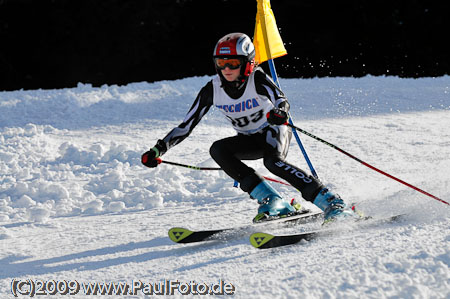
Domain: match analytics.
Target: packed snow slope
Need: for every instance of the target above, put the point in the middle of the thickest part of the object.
(77, 205)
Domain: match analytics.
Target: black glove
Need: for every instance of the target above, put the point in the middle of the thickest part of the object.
(277, 117)
(150, 158)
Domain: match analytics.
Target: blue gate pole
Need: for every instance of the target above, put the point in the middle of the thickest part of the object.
(273, 72)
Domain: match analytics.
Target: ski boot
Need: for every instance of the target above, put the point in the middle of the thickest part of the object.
(333, 206)
(271, 204)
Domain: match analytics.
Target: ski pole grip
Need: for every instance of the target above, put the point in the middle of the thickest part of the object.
(286, 123)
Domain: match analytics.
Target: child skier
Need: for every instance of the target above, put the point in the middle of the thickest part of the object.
(245, 94)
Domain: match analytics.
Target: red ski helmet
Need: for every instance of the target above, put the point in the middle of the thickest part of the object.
(235, 46)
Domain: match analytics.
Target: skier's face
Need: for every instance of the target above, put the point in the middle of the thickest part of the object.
(231, 75)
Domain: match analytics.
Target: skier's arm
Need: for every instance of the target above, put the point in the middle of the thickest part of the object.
(267, 88)
(200, 107)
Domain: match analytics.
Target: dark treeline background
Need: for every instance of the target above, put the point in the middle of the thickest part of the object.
(55, 44)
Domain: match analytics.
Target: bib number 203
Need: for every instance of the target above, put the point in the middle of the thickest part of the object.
(245, 120)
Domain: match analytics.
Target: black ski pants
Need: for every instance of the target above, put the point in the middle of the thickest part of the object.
(272, 146)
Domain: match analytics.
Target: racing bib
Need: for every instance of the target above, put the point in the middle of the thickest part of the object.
(247, 114)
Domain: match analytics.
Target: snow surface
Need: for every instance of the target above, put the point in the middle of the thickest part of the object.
(75, 203)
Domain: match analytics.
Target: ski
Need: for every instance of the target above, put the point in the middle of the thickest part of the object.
(262, 240)
(184, 235)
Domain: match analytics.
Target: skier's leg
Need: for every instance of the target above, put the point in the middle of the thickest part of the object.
(276, 145)
(311, 188)
(306, 184)
(229, 152)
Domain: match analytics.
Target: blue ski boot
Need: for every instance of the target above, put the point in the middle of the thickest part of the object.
(333, 206)
(270, 202)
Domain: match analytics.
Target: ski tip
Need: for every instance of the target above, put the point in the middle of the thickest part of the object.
(258, 240)
(178, 234)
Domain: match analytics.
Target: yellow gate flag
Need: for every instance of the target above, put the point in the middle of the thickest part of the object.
(267, 39)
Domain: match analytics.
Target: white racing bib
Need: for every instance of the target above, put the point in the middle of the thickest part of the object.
(247, 114)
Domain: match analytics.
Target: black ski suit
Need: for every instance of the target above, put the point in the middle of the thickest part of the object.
(270, 143)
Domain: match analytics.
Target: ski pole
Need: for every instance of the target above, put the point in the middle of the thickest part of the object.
(366, 164)
(186, 166)
(211, 168)
(273, 72)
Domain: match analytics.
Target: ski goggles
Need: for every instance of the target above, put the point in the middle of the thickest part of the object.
(232, 63)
